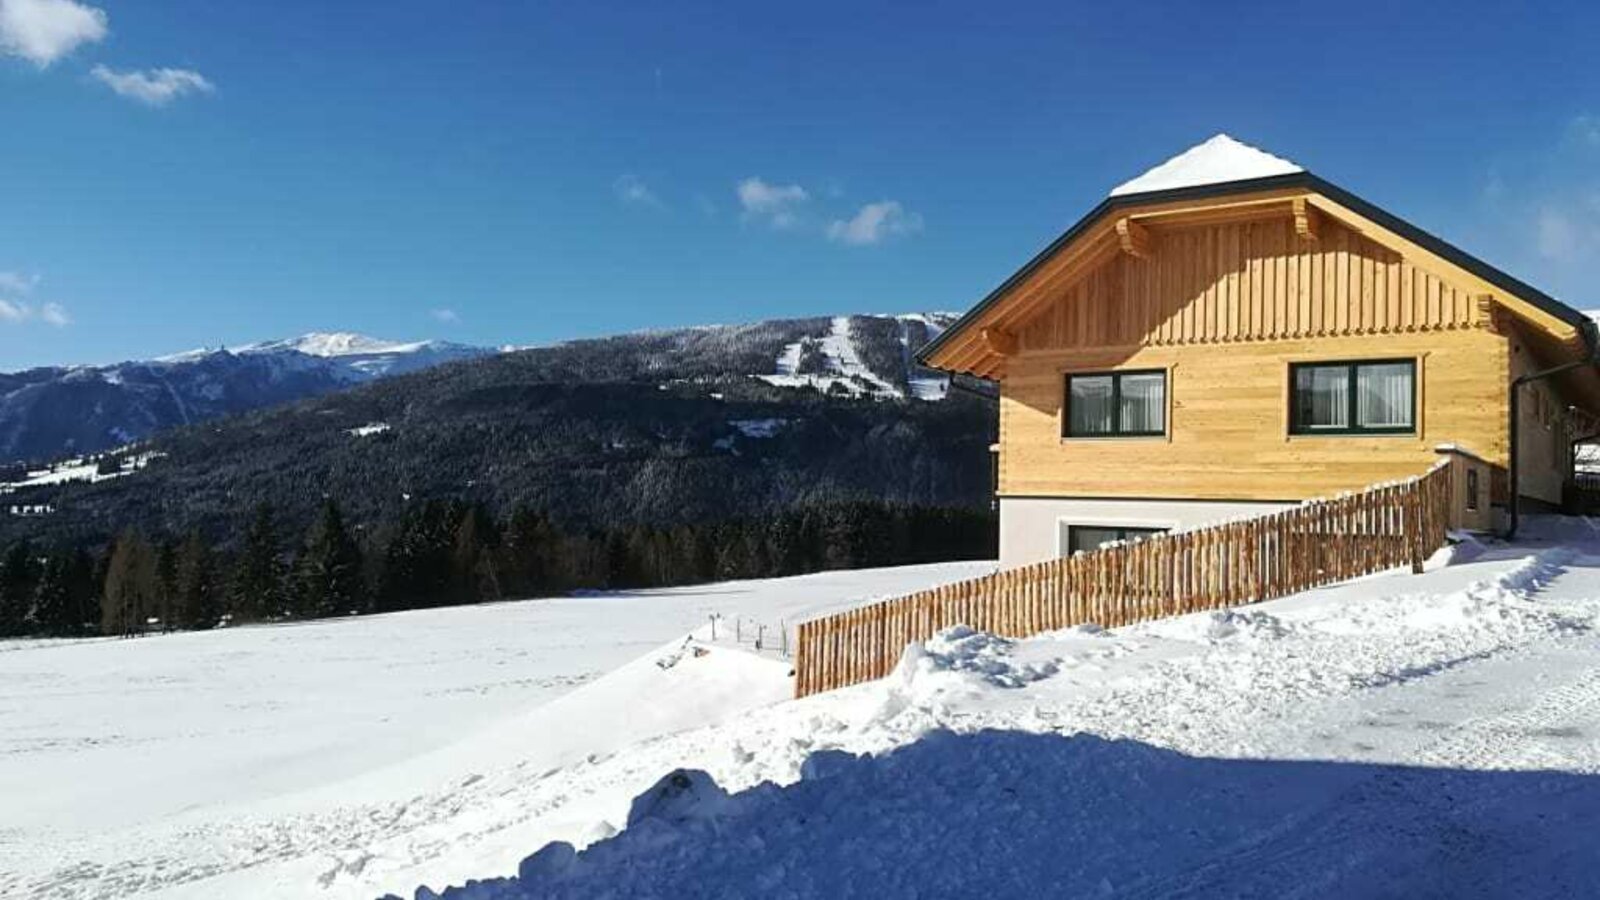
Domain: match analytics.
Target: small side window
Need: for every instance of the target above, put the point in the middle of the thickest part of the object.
(1472, 490)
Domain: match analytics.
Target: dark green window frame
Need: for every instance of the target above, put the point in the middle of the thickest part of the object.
(1116, 376)
(1297, 426)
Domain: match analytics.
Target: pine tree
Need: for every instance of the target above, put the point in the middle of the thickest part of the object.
(473, 570)
(19, 577)
(130, 586)
(527, 551)
(328, 579)
(166, 602)
(199, 600)
(257, 588)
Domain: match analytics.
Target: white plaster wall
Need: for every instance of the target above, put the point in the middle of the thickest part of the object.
(1029, 526)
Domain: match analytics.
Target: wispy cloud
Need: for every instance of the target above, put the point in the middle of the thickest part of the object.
(43, 31)
(444, 314)
(16, 312)
(873, 223)
(775, 204)
(1557, 236)
(1585, 128)
(17, 283)
(153, 87)
(54, 314)
(632, 191)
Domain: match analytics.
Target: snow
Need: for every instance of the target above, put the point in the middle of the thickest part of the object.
(370, 429)
(86, 469)
(846, 371)
(1397, 735)
(251, 762)
(1402, 735)
(1218, 160)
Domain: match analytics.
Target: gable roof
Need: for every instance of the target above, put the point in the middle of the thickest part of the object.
(1212, 169)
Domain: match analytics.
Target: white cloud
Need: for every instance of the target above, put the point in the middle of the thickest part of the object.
(774, 204)
(17, 283)
(634, 192)
(873, 223)
(154, 87)
(43, 31)
(445, 315)
(17, 312)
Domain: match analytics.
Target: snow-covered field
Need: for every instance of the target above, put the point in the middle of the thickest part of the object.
(1397, 736)
(1434, 735)
(202, 764)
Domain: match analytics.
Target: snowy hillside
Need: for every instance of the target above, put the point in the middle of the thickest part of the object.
(1399, 735)
(54, 412)
(266, 757)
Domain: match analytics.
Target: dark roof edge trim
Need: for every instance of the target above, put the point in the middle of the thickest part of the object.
(1424, 239)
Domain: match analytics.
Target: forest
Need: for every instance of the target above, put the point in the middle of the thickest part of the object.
(442, 553)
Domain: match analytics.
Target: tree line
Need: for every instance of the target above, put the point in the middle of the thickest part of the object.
(444, 552)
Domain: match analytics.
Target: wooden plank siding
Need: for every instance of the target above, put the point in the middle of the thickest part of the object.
(1228, 420)
(1225, 309)
(1248, 281)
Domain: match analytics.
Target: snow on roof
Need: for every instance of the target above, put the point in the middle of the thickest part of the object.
(1220, 159)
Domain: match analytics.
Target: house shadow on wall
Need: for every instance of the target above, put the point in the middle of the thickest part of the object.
(1012, 814)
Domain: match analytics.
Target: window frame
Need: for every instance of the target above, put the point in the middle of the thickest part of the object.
(1139, 531)
(1116, 376)
(1354, 429)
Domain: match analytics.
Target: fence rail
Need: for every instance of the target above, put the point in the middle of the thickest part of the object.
(1224, 565)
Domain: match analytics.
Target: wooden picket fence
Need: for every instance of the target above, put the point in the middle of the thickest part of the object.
(1303, 547)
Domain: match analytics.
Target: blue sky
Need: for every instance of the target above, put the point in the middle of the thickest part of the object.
(203, 172)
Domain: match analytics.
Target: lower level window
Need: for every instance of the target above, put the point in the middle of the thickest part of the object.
(1084, 538)
(1377, 397)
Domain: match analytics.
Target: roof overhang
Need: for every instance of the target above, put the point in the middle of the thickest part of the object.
(970, 344)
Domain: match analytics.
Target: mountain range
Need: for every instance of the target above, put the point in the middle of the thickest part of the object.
(684, 425)
(54, 411)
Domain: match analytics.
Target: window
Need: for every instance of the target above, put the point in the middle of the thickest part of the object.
(1117, 404)
(1085, 538)
(1353, 398)
(1472, 490)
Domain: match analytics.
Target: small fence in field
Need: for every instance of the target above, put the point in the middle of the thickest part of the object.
(1307, 546)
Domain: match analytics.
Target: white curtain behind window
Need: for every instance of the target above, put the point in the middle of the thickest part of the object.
(1090, 405)
(1324, 396)
(1144, 402)
(1383, 395)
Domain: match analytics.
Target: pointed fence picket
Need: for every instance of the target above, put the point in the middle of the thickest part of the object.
(1307, 546)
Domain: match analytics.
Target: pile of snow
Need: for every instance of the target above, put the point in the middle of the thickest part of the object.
(1218, 160)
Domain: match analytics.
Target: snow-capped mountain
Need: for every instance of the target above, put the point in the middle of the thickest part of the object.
(52, 411)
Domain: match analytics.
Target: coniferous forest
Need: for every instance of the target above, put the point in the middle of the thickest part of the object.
(442, 553)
